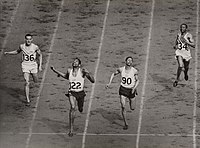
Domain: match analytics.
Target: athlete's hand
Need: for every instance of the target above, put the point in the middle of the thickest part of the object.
(107, 86)
(52, 68)
(175, 47)
(133, 90)
(5, 53)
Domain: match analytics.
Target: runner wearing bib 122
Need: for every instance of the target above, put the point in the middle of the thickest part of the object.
(76, 84)
(29, 63)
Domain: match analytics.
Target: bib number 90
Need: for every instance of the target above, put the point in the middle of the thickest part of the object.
(126, 80)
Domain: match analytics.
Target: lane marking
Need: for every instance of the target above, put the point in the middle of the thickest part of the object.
(145, 77)
(44, 76)
(95, 75)
(108, 134)
(9, 28)
(196, 79)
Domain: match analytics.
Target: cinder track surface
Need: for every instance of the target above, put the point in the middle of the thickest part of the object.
(101, 33)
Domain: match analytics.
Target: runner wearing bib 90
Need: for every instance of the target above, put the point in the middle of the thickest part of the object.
(76, 76)
(29, 65)
(183, 41)
(129, 83)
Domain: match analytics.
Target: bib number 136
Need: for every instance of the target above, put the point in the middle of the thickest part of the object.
(28, 57)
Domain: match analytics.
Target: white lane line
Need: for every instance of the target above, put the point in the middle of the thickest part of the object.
(196, 78)
(95, 75)
(107, 134)
(9, 28)
(43, 77)
(145, 76)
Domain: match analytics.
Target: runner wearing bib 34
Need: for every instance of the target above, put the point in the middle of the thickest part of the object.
(184, 40)
(129, 83)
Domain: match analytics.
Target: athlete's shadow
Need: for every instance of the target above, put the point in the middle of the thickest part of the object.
(16, 93)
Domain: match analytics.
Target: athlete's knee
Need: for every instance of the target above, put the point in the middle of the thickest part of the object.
(181, 68)
(27, 83)
(72, 109)
(123, 108)
(35, 78)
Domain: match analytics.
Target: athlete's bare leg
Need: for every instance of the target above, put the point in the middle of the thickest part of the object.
(27, 83)
(179, 70)
(123, 103)
(72, 101)
(132, 103)
(186, 66)
(35, 77)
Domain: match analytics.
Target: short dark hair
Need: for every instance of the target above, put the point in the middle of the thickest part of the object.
(79, 61)
(128, 58)
(28, 34)
(184, 24)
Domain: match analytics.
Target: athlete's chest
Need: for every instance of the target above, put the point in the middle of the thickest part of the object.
(29, 49)
(75, 75)
(128, 73)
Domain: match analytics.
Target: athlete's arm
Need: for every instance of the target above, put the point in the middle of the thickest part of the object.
(118, 71)
(190, 41)
(14, 52)
(66, 76)
(40, 58)
(88, 75)
(136, 81)
(176, 43)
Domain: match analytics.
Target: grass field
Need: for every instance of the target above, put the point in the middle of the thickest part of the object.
(101, 33)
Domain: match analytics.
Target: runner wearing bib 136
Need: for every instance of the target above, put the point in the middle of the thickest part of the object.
(29, 64)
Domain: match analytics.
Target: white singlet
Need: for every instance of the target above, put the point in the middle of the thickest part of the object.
(29, 54)
(128, 77)
(183, 49)
(76, 83)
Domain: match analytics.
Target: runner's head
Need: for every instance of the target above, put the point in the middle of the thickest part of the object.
(76, 62)
(28, 39)
(129, 61)
(183, 28)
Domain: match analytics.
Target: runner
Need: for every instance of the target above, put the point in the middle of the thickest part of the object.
(183, 41)
(127, 90)
(29, 65)
(76, 76)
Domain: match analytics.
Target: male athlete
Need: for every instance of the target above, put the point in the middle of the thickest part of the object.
(183, 41)
(29, 65)
(129, 83)
(76, 76)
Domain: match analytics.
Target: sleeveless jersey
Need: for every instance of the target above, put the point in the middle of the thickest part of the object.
(29, 53)
(181, 45)
(76, 83)
(128, 79)
(183, 49)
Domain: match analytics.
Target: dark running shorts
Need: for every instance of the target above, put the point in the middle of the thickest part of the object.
(127, 92)
(79, 98)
